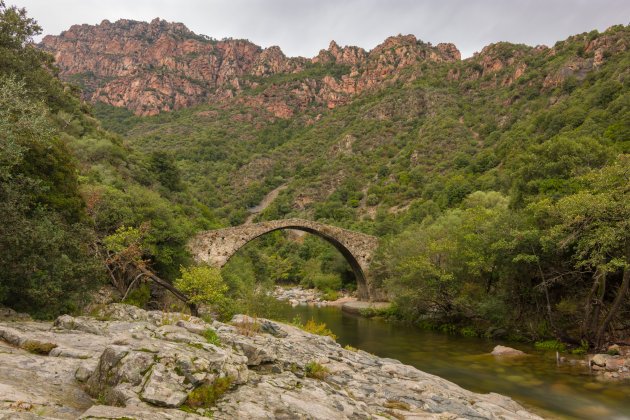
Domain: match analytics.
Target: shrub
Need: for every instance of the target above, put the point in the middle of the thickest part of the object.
(468, 332)
(331, 295)
(139, 297)
(202, 284)
(316, 328)
(554, 345)
(248, 328)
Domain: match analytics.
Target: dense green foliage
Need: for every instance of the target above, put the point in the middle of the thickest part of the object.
(75, 199)
(45, 261)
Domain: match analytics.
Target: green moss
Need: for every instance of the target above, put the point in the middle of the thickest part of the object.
(38, 347)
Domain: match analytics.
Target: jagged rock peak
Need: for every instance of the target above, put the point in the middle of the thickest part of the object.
(150, 67)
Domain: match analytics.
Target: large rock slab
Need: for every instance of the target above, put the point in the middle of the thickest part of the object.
(144, 364)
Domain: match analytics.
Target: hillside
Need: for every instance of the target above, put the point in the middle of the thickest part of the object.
(413, 128)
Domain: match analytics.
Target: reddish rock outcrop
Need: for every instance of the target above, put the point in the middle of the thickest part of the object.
(162, 66)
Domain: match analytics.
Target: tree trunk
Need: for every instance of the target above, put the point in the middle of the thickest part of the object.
(621, 294)
(594, 305)
(168, 286)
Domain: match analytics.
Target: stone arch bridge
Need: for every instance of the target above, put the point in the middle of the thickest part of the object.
(216, 247)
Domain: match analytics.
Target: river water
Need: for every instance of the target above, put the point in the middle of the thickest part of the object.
(562, 392)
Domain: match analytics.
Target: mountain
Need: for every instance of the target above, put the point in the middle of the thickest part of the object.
(162, 66)
(355, 134)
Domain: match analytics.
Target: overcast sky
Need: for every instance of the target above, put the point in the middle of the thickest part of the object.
(303, 27)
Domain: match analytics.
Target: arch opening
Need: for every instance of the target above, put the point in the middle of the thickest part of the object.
(357, 270)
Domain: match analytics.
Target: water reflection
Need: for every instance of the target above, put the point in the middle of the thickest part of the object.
(566, 392)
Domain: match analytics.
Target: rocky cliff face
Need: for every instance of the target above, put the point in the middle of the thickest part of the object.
(161, 66)
(148, 365)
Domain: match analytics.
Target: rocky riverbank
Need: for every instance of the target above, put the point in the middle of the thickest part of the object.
(131, 363)
(299, 296)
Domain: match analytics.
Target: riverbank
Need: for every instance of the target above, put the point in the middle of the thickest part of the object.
(564, 390)
(300, 296)
(131, 363)
(612, 366)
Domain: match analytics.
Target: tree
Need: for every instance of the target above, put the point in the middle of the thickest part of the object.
(163, 165)
(46, 263)
(202, 284)
(595, 224)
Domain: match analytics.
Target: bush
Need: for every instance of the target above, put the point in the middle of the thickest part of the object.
(202, 284)
(139, 297)
(211, 337)
(315, 328)
(330, 295)
(248, 328)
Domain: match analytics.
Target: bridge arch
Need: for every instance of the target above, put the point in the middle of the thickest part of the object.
(216, 247)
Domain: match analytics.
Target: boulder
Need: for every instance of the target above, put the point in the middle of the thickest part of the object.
(600, 359)
(255, 354)
(8, 314)
(506, 351)
(164, 388)
(67, 322)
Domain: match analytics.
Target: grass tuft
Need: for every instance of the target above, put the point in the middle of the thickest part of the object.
(316, 371)
(206, 395)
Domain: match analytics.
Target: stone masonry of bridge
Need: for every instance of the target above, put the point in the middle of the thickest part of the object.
(216, 247)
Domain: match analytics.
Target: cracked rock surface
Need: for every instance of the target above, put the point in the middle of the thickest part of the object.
(131, 363)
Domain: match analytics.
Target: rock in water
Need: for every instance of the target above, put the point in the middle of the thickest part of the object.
(507, 351)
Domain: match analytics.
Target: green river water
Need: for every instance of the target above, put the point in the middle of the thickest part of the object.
(564, 392)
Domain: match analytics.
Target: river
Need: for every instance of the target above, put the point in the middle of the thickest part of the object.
(562, 392)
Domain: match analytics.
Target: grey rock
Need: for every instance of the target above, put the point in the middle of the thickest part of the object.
(601, 359)
(149, 361)
(67, 322)
(164, 388)
(255, 354)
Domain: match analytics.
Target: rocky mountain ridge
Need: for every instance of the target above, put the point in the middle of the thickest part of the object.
(162, 66)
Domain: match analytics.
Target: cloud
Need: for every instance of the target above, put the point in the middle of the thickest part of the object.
(303, 27)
